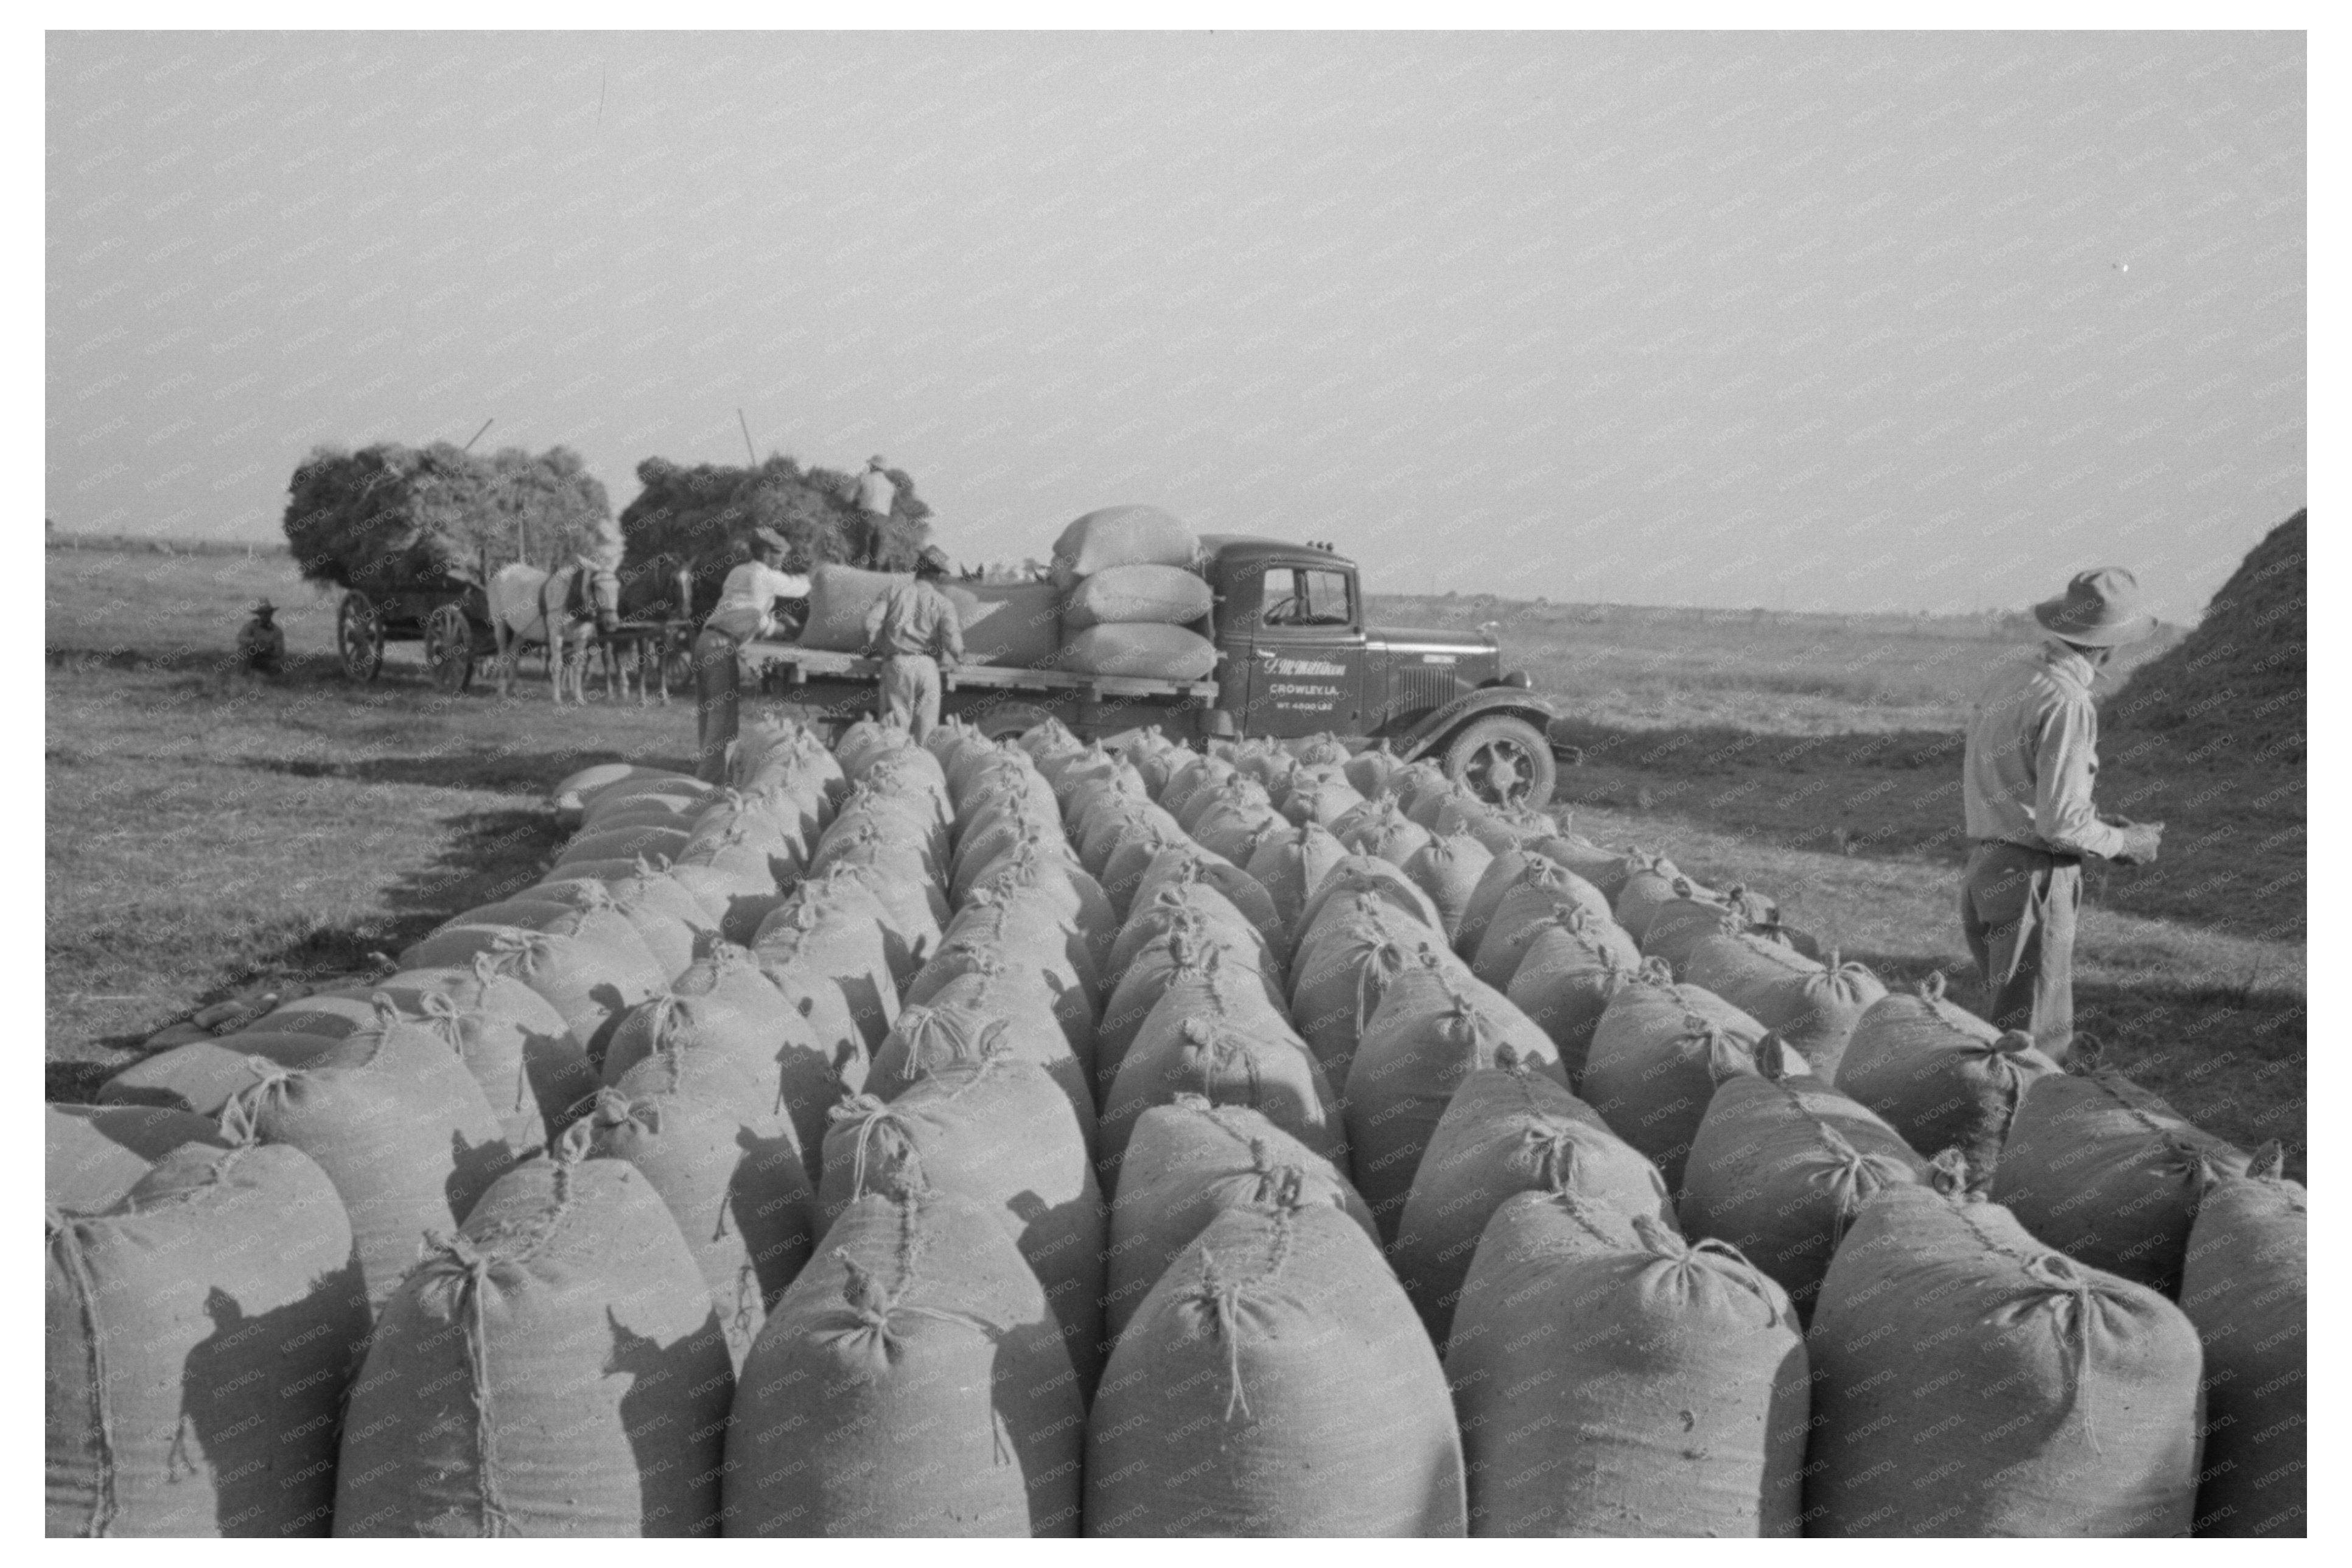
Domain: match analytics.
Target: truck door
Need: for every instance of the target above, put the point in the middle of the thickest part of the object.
(1306, 654)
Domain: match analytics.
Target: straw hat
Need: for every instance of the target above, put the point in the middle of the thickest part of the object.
(2100, 608)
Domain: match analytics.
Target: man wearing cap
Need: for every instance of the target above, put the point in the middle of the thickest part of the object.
(2031, 758)
(875, 495)
(746, 611)
(260, 644)
(913, 629)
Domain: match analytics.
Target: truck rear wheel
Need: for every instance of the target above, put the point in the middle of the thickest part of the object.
(1504, 762)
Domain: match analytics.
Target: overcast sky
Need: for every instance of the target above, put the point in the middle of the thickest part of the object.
(1818, 320)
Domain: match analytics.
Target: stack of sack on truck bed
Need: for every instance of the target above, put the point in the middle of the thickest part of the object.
(1014, 623)
(1133, 603)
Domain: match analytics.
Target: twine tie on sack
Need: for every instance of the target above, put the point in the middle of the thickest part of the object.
(1667, 1246)
(2071, 1299)
(1223, 1302)
(1549, 1150)
(871, 1308)
(472, 1266)
(871, 1116)
(240, 1119)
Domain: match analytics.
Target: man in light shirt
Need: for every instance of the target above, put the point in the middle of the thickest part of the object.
(2032, 757)
(913, 628)
(875, 495)
(746, 611)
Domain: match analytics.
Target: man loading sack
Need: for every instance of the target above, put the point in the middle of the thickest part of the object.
(2033, 754)
(746, 611)
(913, 629)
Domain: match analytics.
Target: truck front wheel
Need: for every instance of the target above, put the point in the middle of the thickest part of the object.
(1504, 762)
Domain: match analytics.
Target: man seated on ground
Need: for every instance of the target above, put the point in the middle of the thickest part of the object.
(261, 644)
(746, 611)
(913, 628)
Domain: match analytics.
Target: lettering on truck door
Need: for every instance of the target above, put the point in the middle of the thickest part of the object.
(1306, 654)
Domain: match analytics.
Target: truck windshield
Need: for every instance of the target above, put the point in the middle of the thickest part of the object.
(1302, 596)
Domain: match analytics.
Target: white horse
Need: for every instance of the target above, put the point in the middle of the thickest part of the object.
(562, 612)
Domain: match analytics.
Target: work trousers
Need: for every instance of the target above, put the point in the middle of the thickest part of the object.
(2018, 909)
(910, 693)
(718, 680)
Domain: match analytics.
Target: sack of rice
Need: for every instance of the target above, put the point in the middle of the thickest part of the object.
(1188, 1163)
(1291, 866)
(1652, 883)
(980, 970)
(1780, 1167)
(1359, 951)
(1813, 1007)
(1970, 1381)
(555, 1368)
(1010, 624)
(1941, 1075)
(93, 1154)
(201, 1335)
(704, 1128)
(2110, 1174)
(1197, 771)
(1193, 960)
(203, 1075)
(1028, 927)
(724, 1007)
(1436, 1025)
(1175, 596)
(1038, 875)
(1572, 970)
(1364, 873)
(911, 1383)
(1664, 1394)
(736, 900)
(1139, 649)
(825, 942)
(1236, 831)
(1321, 800)
(1115, 536)
(2244, 1286)
(590, 967)
(1607, 869)
(980, 1009)
(1385, 833)
(999, 1131)
(1657, 1055)
(1449, 870)
(1204, 1054)
(1508, 1130)
(1186, 863)
(1275, 1382)
(623, 843)
(515, 1043)
(839, 597)
(398, 1124)
(1544, 892)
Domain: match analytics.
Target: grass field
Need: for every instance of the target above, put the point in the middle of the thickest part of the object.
(207, 830)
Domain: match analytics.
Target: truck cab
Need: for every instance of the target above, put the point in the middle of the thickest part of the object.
(1296, 658)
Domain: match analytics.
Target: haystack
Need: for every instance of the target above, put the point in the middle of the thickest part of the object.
(2232, 692)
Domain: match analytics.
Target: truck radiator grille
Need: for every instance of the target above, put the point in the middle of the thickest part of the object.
(1418, 688)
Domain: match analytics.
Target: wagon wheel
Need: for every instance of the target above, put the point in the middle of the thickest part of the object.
(449, 648)
(358, 632)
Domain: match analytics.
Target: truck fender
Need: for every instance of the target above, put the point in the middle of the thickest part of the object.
(1425, 736)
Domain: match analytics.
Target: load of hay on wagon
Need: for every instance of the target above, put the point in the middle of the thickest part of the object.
(388, 517)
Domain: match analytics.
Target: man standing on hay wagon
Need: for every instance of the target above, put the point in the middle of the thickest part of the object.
(913, 629)
(746, 611)
(874, 495)
(2032, 755)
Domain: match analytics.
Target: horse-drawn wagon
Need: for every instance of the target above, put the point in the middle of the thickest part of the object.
(449, 616)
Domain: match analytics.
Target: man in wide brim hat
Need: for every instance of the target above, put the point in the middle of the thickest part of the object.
(261, 643)
(2026, 781)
